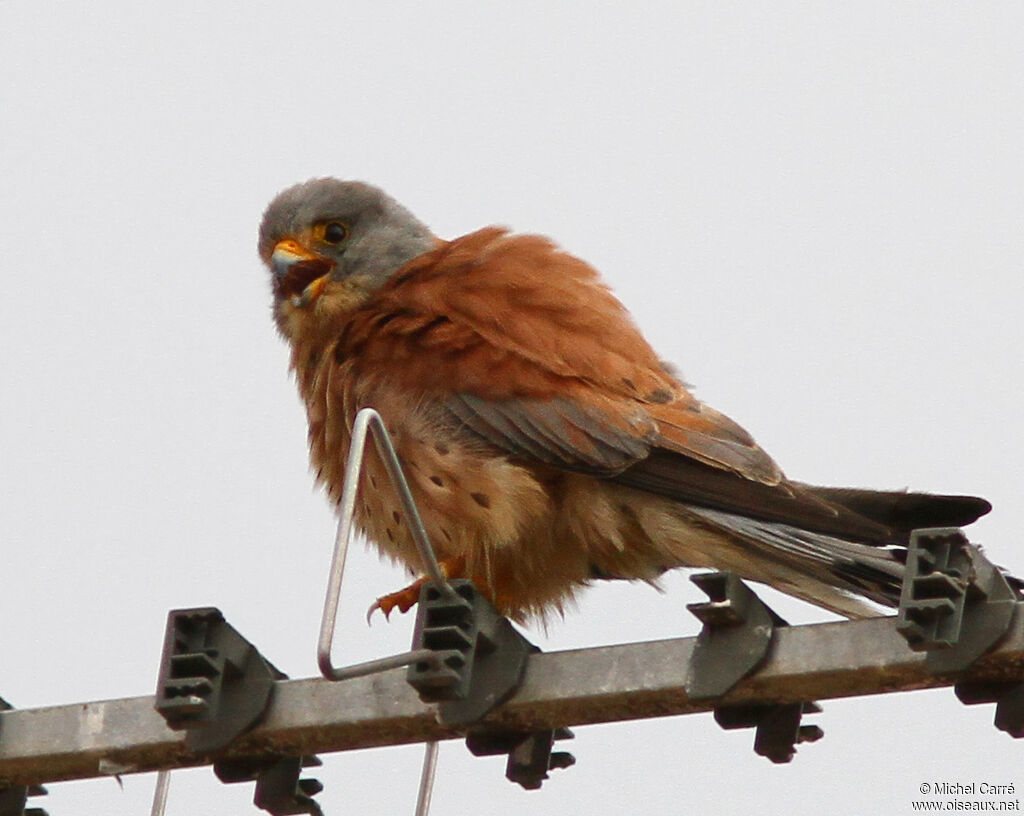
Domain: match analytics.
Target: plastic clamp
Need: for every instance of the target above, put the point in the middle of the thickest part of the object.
(1009, 700)
(213, 683)
(955, 604)
(735, 638)
(14, 799)
(529, 753)
(778, 727)
(279, 790)
(481, 657)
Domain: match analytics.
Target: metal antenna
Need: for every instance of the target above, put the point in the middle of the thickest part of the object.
(427, 779)
(163, 783)
(368, 419)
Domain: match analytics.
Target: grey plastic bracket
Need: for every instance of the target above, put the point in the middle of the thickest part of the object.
(778, 727)
(530, 754)
(1009, 700)
(480, 661)
(213, 683)
(480, 656)
(955, 604)
(735, 638)
(733, 642)
(14, 799)
(279, 790)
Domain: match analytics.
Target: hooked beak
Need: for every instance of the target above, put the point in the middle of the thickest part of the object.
(299, 274)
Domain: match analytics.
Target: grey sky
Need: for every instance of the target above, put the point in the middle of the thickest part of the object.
(813, 208)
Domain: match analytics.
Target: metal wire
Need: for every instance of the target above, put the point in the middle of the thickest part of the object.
(427, 779)
(163, 783)
(368, 420)
(423, 796)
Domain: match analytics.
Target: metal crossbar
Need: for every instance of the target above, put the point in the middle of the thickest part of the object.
(603, 684)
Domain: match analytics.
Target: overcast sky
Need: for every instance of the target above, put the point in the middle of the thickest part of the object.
(815, 209)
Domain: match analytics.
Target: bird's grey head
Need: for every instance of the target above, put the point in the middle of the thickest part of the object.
(326, 229)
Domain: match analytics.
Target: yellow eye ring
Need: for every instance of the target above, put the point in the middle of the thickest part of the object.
(330, 232)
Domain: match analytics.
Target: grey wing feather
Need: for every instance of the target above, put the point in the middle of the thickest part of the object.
(557, 432)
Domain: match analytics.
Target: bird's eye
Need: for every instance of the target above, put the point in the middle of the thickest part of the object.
(333, 232)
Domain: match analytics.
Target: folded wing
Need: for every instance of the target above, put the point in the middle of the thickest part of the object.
(524, 347)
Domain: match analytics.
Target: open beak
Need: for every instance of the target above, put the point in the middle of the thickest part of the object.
(299, 274)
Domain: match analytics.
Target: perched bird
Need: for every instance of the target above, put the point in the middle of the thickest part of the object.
(544, 441)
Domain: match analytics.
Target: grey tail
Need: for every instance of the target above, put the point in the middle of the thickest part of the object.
(850, 578)
(902, 512)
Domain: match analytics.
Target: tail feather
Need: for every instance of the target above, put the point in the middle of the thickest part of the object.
(903, 512)
(847, 577)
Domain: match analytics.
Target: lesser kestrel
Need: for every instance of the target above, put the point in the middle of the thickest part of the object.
(545, 443)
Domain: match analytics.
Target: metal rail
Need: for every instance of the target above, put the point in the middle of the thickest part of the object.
(605, 684)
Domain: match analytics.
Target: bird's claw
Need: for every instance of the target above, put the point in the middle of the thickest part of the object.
(406, 599)
(403, 601)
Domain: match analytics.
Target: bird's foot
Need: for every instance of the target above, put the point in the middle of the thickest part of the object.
(405, 599)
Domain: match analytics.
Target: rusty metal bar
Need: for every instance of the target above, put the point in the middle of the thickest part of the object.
(604, 684)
